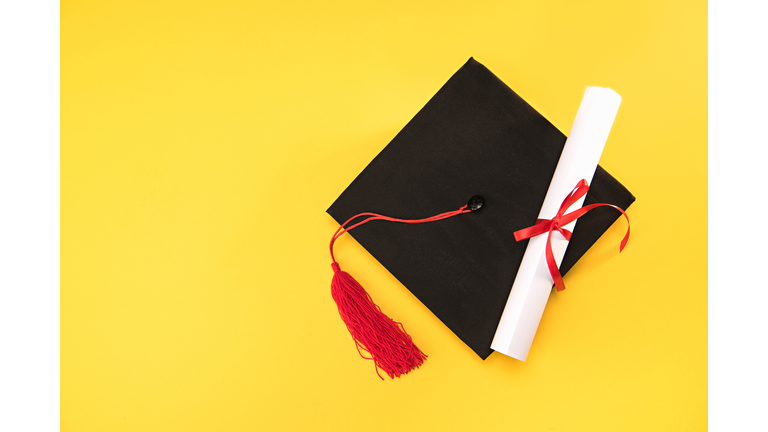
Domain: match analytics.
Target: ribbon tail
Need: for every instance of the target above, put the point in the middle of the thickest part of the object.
(570, 217)
(626, 236)
(552, 265)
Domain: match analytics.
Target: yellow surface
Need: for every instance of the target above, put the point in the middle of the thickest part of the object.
(203, 141)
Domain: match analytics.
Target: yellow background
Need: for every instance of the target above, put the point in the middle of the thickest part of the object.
(203, 141)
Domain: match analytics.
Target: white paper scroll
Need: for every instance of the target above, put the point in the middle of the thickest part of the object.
(533, 283)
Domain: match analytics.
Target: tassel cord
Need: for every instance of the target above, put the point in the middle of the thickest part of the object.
(375, 216)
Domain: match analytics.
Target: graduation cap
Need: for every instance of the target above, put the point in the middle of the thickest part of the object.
(478, 159)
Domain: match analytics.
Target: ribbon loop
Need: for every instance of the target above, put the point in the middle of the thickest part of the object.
(561, 219)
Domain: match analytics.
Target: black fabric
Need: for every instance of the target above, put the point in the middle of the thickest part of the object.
(474, 137)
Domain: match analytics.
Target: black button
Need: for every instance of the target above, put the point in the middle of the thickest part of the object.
(476, 203)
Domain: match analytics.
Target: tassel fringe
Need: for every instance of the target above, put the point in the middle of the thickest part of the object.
(389, 346)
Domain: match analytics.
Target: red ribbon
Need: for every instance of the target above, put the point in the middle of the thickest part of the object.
(556, 224)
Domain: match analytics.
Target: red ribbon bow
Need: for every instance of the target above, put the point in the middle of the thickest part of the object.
(556, 224)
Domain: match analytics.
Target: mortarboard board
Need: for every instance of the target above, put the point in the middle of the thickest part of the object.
(474, 137)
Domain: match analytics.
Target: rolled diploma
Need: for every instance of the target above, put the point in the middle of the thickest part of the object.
(533, 283)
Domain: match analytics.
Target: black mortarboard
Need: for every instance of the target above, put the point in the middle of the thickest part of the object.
(474, 137)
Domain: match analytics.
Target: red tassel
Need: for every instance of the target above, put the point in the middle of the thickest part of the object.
(390, 347)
